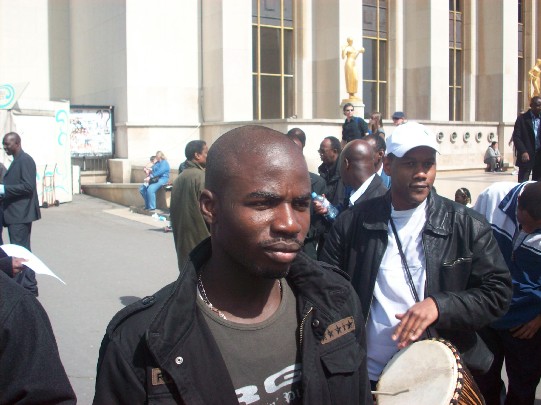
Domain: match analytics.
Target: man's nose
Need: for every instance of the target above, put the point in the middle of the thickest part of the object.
(287, 220)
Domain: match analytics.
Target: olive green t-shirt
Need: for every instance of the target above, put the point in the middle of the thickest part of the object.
(262, 359)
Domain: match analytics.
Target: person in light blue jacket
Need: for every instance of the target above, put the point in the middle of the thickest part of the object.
(156, 179)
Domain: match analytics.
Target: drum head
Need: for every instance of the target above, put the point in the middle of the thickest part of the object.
(428, 369)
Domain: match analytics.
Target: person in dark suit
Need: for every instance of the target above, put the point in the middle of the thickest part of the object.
(379, 146)
(318, 186)
(20, 202)
(357, 171)
(527, 140)
(3, 171)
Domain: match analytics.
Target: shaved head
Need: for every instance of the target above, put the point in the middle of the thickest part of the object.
(256, 201)
(244, 147)
(357, 163)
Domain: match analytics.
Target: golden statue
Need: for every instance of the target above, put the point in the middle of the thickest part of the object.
(535, 80)
(350, 54)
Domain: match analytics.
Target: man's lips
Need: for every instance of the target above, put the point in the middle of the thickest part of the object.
(282, 251)
(285, 247)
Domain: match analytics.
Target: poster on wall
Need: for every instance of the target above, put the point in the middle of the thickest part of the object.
(44, 128)
(91, 131)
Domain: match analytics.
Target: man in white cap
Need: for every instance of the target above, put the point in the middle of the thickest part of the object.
(422, 265)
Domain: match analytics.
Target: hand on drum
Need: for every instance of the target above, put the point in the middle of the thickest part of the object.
(414, 322)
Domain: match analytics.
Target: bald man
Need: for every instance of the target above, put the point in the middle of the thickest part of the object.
(357, 171)
(251, 319)
(380, 146)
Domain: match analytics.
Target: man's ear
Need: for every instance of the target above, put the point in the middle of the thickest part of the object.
(208, 206)
(387, 161)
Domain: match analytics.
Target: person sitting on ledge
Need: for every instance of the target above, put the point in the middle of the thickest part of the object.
(155, 179)
(493, 158)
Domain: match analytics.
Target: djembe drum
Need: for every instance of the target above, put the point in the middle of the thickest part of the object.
(428, 372)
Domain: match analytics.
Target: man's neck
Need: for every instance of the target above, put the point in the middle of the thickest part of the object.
(240, 295)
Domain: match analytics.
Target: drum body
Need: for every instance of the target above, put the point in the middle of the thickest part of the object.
(432, 372)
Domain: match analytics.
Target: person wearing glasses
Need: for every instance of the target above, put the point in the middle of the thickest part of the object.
(353, 127)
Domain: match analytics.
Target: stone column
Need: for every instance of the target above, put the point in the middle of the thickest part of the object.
(304, 57)
(498, 54)
(426, 60)
(396, 56)
(226, 61)
(334, 21)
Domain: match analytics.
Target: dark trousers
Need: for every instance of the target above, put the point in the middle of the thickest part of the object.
(19, 234)
(534, 168)
(522, 363)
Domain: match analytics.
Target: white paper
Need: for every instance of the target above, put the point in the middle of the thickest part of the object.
(33, 262)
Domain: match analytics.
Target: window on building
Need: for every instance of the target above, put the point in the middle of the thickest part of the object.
(375, 56)
(273, 56)
(455, 60)
(521, 72)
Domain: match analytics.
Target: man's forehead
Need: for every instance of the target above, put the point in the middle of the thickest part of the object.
(272, 184)
(420, 152)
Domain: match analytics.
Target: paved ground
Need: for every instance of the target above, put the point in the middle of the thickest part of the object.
(109, 257)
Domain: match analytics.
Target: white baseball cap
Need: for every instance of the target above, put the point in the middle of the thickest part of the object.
(408, 136)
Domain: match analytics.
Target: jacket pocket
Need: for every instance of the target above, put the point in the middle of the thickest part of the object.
(341, 368)
(459, 262)
(343, 359)
(455, 274)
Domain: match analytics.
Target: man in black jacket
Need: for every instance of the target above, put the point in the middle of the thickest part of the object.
(353, 127)
(251, 319)
(527, 140)
(20, 202)
(318, 225)
(329, 152)
(30, 368)
(420, 263)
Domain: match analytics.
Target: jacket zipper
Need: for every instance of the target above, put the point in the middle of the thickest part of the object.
(369, 309)
(301, 328)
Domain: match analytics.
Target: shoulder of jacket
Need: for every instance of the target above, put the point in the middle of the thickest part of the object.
(458, 211)
(367, 206)
(140, 312)
(327, 266)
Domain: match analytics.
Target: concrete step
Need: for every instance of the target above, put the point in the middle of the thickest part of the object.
(126, 194)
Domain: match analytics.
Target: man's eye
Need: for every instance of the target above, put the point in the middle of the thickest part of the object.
(261, 204)
(302, 205)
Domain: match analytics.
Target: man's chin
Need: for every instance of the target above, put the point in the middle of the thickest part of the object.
(273, 274)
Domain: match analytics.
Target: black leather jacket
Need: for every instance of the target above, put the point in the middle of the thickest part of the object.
(466, 274)
(161, 351)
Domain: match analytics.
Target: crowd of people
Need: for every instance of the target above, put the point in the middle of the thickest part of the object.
(279, 302)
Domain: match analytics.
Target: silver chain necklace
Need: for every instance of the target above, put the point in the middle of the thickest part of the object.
(203, 295)
(205, 298)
